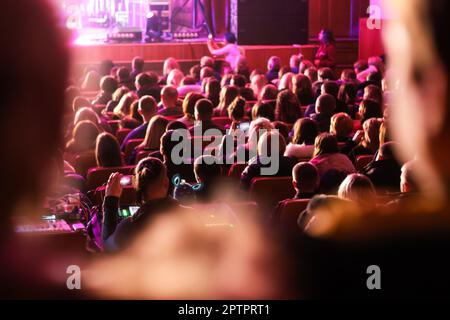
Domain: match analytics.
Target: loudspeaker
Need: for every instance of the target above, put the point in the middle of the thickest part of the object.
(270, 22)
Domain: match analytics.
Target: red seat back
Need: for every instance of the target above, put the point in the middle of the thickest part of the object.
(142, 155)
(121, 134)
(288, 213)
(222, 121)
(362, 161)
(268, 192)
(131, 145)
(236, 170)
(96, 177)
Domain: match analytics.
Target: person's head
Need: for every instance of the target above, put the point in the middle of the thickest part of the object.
(282, 128)
(80, 102)
(274, 64)
(269, 93)
(107, 151)
(86, 114)
(326, 37)
(206, 170)
(286, 82)
(189, 104)
(301, 85)
(203, 110)
(123, 75)
(238, 81)
(370, 109)
(123, 108)
(119, 93)
(257, 128)
(230, 38)
(288, 107)
(330, 87)
(372, 134)
(169, 96)
(374, 93)
(169, 65)
(387, 151)
(155, 130)
(271, 144)
(305, 177)
(258, 82)
(376, 62)
(105, 67)
(348, 75)
(358, 188)
(305, 132)
(408, 177)
(263, 110)
(325, 74)
(294, 61)
(176, 125)
(312, 73)
(84, 136)
(147, 107)
(236, 110)
(347, 93)
(227, 95)
(151, 181)
(91, 81)
(360, 66)
(283, 71)
(305, 65)
(108, 84)
(174, 78)
(207, 61)
(325, 144)
(188, 81)
(341, 125)
(326, 104)
(194, 72)
(146, 80)
(212, 89)
(206, 72)
(137, 64)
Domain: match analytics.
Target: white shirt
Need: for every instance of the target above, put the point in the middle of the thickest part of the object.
(231, 52)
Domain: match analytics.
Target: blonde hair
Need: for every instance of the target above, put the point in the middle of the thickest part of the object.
(155, 130)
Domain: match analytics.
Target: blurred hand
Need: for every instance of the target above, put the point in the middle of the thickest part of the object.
(113, 187)
(359, 136)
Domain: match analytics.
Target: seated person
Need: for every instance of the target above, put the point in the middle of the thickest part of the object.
(302, 146)
(152, 187)
(342, 127)
(273, 68)
(325, 107)
(147, 108)
(270, 158)
(369, 139)
(227, 95)
(107, 151)
(189, 108)
(169, 101)
(147, 85)
(203, 116)
(357, 188)
(305, 179)
(107, 86)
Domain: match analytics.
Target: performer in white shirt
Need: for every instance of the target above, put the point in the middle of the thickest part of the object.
(230, 50)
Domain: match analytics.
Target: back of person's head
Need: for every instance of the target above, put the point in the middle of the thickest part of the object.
(330, 87)
(80, 102)
(302, 85)
(312, 73)
(188, 81)
(325, 143)
(271, 141)
(371, 129)
(138, 64)
(238, 81)
(189, 103)
(305, 132)
(169, 65)
(86, 114)
(175, 77)
(108, 84)
(347, 93)
(358, 188)
(203, 110)
(206, 72)
(257, 84)
(146, 80)
(230, 37)
(91, 81)
(294, 61)
(341, 125)
(123, 108)
(207, 61)
(156, 128)
(376, 78)
(360, 66)
(326, 104)
(387, 151)
(194, 72)
(119, 93)
(257, 128)
(348, 75)
(212, 88)
(305, 177)
(408, 179)
(263, 110)
(269, 92)
(236, 110)
(286, 82)
(206, 169)
(123, 74)
(305, 65)
(274, 64)
(370, 109)
(227, 95)
(325, 74)
(169, 96)
(84, 136)
(151, 179)
(148, 107)
(374, 93)
(107, 151)
(176, 125)
(288, 107)
(282, 128)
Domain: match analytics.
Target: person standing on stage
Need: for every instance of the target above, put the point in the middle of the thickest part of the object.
(326, 55)
(230, 50)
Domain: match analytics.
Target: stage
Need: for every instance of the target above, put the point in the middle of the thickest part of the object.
(188, 53)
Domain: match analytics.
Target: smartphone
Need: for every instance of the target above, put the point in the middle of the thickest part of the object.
(126, 212)
(126, 181)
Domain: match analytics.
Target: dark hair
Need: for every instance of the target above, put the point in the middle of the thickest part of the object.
(107, 151)
(331, 87)
(175, 125)
(149, 172)
(370, 109)
(230, 37)
(263, 110)
(328, 36)
(205, 109)
(288, 107)
(305, 132)
(189, 103)
(147, 79)
(325, 143)
(239, 81)
(108, 84)
(282, 128)
(138, 63)
(347, 93)
(236, 110)
(208, 170)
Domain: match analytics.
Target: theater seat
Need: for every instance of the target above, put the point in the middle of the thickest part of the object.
(130, 146)
(84, 162)
(236, 170)
(268, 192)
(362, 161)
(114, 124)
(96, 177)
(142, 155)
(121, 134)
(222, 121)
(288, 212)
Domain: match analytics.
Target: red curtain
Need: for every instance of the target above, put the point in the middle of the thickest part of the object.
(217, 15)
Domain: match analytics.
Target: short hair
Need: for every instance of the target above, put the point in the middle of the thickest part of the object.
(331, 87)
(138, 63)
(147, 79)
(108, 84)
(370, 109)
(305, 132)
(357, 187)
(341, 125)
(204, 109)
(236, 110)
(326, 104)
(325, 143)
(176, 125)
(274, 63)
(239, 81)
(123, 74)
(326, 74)
(207, 61)
(306, 175)
(230, 37)
(148, 105)
(207, 168)
(107, 151)
(149, 172)
(170, 93)
(189, 103)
